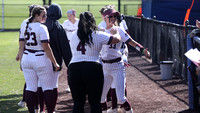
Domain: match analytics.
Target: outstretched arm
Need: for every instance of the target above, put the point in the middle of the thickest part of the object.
(139, 47)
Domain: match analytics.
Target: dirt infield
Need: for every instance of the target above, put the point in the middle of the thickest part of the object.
(147, 93)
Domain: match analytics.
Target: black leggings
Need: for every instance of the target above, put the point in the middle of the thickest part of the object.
(86, 78)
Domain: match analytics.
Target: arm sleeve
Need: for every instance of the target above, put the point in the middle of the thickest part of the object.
(65, 47)
(44, 34)
(104, 38)
(21, 34)
(64, 24)
(125, 37)
(124, 25)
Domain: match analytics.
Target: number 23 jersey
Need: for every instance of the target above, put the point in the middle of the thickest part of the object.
(36, 34)
(85, 52)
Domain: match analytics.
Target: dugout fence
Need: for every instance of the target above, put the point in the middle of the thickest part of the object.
(165, 40)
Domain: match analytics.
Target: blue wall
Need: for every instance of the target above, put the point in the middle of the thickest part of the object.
(171, 10)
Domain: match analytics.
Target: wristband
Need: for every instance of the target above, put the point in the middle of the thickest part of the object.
(143, 51)
(140, 48)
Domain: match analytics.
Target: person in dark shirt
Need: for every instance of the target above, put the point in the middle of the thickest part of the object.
(58, 42)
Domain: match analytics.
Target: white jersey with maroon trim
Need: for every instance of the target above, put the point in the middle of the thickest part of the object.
(23, 25)
(102, 24)
(36, 34)
(69, 27)
(112, 51)
(124, 48)
(87, 52)
(123, 25)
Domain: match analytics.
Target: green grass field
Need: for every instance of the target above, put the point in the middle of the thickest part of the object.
(16, 11)
(11, 78)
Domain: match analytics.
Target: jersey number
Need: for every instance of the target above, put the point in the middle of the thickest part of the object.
(81, 47)
(33, 37)
(113, 46)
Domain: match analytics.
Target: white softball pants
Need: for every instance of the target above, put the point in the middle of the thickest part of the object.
(37, 68)
(114, 73)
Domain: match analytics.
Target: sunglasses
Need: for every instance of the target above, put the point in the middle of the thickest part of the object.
(112, 16)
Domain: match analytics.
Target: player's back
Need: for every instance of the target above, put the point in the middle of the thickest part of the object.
(87, 52)
(36, 33)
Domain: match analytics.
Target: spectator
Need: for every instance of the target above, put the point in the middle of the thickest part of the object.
(58, 42)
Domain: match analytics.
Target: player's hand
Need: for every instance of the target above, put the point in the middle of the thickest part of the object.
(113, 31)
(127, 64)
(17, 57)
(102, 29)
(147, 53)
(198, 24)
(57, 67)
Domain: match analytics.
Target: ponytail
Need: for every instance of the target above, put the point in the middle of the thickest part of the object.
(86, 26)
(29, 21)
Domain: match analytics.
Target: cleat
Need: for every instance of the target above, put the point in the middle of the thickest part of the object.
(112, 110)
(22, 104)
(68, 90)
(37, 111)
(130, 111)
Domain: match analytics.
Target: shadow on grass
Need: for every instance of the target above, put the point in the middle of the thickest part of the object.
(8, 104)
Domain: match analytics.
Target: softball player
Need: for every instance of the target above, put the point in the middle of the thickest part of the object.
(113, 66)
(70, 26)
(36, 58)
(111, 96)
(22, 103)
(23, 24)
(85, 74)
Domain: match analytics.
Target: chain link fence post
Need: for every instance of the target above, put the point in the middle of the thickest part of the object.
(2, 29)
(125, 9)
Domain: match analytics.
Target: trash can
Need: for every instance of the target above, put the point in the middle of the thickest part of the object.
(166, 70)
